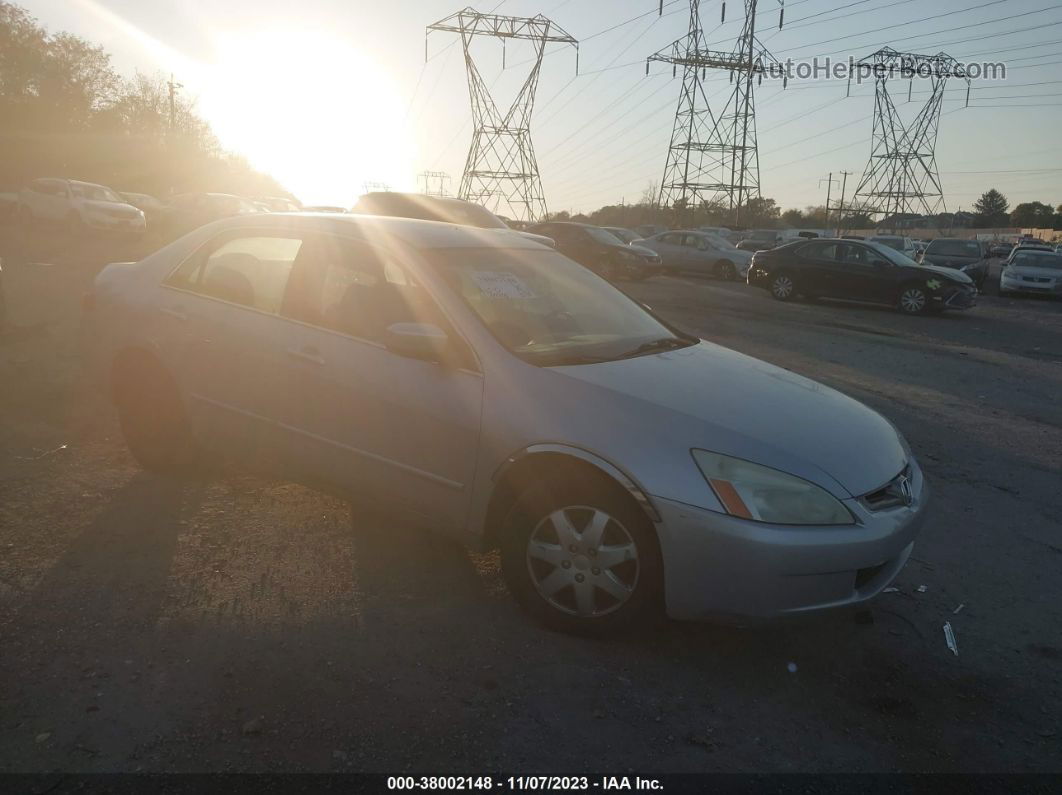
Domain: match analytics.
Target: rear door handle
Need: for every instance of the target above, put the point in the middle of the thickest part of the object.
(307, 354)
(180, 314)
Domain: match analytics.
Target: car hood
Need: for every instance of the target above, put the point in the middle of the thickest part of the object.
(124, 208)
(954, 274)
(717, 399)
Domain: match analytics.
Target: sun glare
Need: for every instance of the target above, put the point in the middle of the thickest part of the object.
(310, 110)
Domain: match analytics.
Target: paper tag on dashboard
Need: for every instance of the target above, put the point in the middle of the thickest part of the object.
(498, 284)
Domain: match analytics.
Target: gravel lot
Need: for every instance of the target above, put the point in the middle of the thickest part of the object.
(252, 625)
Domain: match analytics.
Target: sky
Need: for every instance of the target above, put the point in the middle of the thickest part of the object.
(329, 95)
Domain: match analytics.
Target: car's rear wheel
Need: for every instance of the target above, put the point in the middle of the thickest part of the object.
(782, 287)
(913, 300)
(724, 269)
(153, 421)
(581, 557)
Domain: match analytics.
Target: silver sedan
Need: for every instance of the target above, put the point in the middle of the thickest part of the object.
(699, 252)
(485, 385)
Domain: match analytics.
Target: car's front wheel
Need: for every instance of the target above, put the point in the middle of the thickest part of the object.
(913, 300)
(580, 557)
(724, 269)
(782, 287)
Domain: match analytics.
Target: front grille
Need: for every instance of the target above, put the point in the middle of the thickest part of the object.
(1036, 279)
(891, 495)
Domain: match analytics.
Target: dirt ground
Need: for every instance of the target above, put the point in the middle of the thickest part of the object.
(241, 624)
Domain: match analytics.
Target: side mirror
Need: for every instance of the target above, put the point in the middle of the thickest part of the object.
(417, 341)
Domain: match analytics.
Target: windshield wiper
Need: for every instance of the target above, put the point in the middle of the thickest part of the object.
(656, 346)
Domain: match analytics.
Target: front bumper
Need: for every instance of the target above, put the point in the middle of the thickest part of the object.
(720, 567)
(1019, 285)
(957, 297)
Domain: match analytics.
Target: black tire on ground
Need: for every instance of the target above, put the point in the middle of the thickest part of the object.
(782, 287)
(913, 299)
(153, 421)
(530, 525)
(725, 270)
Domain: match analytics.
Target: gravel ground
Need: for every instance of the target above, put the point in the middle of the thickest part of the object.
(243, 624)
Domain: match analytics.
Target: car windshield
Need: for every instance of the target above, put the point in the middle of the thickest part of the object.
(602, 236)
(891, 254)
(96, 193)
(549, 310)
(718, 241)
(1038, 260)
(955, 248)
(625, 235)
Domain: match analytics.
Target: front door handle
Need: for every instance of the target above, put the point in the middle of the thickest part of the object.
(308, 354)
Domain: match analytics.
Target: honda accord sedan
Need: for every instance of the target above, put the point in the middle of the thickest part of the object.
(489, 387)
(860, 271)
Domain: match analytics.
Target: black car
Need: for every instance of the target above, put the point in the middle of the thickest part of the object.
(859, 271)
(969, 256)
(601, 251)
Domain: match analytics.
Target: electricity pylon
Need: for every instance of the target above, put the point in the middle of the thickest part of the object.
(434, 182)
(901, 177)
(713, 157)
(501, 160)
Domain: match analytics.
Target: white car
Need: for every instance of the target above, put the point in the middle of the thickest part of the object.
(79, 206)
(904, 245)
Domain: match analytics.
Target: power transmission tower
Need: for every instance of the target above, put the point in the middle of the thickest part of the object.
(713, 157)
(901, 177)
(438, 179)
(501, 160)
(172, 85)
(830, 182)
(374, 187)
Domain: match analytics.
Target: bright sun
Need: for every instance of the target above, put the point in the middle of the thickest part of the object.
(310, 110)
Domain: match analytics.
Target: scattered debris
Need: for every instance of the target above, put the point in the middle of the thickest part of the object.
(704, 740)
(792, 667)
(43, 737)
(891, 589)
(42, 455)
(955, 612)
(253, 726)
(922, 588)
(949, 636)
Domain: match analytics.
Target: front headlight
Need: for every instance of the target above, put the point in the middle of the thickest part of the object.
(762, 494)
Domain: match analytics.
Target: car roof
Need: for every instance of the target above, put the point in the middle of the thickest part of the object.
(411, 231)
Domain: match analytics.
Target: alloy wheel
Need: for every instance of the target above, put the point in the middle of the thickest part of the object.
(583, 561)
(913, 300)
(782, 287)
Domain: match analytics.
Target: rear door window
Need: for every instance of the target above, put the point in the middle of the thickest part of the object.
(250, 269)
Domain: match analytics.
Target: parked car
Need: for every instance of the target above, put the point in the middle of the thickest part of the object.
(191, 210)
(1033, 245)
(437, 208)
(154, 210)
(860, 271)
(699, 252)
(852, 237)
(278, 204)
(1000, 249)
(1032, 271)
(731, 236)
(648, 230)
(904, 245)
(759, 240)
(324, 208)
(490, 388)
(79, 206)
(968, 256)
(628, 236)
(600, 251)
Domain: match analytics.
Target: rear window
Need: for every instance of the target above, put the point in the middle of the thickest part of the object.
(955, 248)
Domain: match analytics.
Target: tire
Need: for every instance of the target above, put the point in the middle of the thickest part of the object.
(154, 423)
(725, 270)
(782, 287)
(548, 554)
(913, 300)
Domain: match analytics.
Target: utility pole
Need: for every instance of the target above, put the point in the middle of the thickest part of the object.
(829, 185)
(840, 207)
(713, 154)
(440, 178)
(501, 160)
(173, 86)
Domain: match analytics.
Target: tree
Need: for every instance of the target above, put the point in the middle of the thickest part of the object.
(760, 211)
(1033, 214)
(991, 209)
